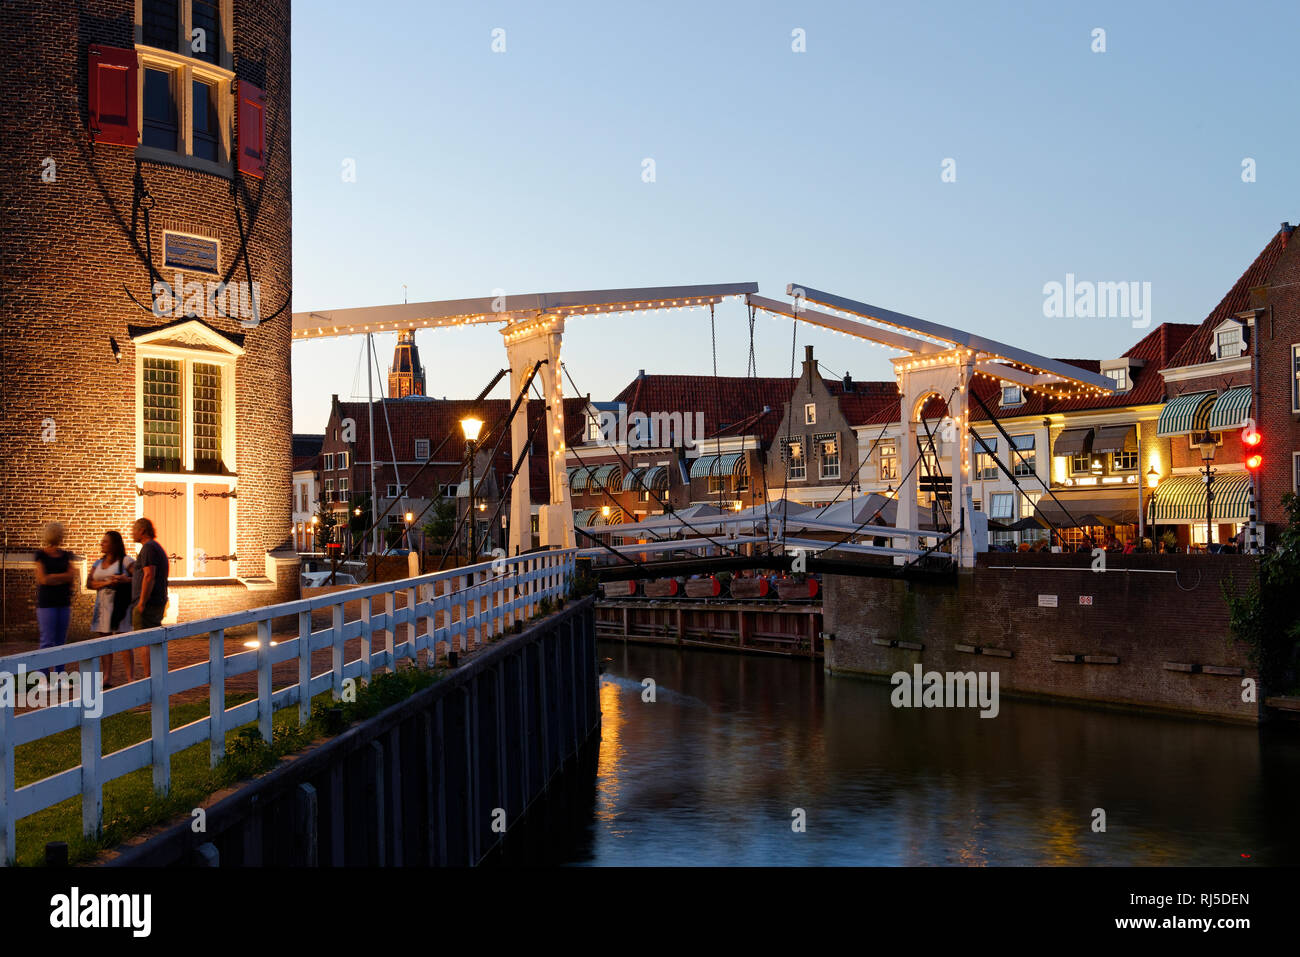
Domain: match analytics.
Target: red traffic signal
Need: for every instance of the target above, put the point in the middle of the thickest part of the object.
(1251, 442)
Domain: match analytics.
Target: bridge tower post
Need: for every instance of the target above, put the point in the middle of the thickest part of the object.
(528, 340)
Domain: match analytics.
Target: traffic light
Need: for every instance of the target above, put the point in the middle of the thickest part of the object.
(1252, 448)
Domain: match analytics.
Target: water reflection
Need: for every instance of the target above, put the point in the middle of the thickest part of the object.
(714, 769)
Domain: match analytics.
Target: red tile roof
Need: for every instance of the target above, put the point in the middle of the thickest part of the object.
(418, 417)
(1197, 347)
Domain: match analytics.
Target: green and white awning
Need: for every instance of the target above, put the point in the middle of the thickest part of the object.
(600, 477)
(728, 463)
(1181, 499)
(1185, 414)
(632, 480)
(655, 477)
(1230, 410)
(578, 477)
(585, 517)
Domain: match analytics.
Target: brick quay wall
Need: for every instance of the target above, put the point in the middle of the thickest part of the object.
(1151, 631)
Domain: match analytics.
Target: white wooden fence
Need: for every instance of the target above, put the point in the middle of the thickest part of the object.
(460, 608)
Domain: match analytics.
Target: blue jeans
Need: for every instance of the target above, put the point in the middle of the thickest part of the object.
(53, 623)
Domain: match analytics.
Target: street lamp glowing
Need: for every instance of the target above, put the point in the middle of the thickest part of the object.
(1153, 477)
(604, 510)
(471, 426)
(410, 517)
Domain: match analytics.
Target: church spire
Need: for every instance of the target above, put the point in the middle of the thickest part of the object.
(406, 377)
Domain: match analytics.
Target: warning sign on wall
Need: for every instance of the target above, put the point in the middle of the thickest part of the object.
(1046, 601)
(1085, 599)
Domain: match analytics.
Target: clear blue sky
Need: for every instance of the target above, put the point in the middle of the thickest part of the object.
(523, 170)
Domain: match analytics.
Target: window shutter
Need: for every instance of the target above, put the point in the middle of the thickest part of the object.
(252, 130)
(112, 88)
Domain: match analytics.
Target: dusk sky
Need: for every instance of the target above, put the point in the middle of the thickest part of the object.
(523, 169)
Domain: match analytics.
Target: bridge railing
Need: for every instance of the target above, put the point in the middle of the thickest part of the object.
(460, 608)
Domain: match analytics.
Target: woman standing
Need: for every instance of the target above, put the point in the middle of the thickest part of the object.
(112, 601)
(54, 578)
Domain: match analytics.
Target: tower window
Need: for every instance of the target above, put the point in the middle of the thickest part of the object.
(159, 128)
(162, 415)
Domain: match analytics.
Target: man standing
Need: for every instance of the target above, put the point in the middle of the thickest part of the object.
(149, 582)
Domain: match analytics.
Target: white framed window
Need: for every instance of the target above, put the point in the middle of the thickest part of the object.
(1012, 394)
(329, 462)
(810, 414)
(717, 483)
(1081, 463)
(186, 77)
(1028, 502)
(1024, 463)
(888, 452)
(421, 450)
(796, 465)
(1124, 461)
(343, 490)
(1295, 378)
(1228, 343)
(1001, 505)
(828, 446)
(396, 491)
(329, 490)
(986, 466)
(1120, 377)
(447, 491)
(341, 460)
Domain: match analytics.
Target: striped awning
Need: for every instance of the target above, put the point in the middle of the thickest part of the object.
(601, 475)
(1073, 442)
(615, 517)
(724, 464)
(1181, 498)
(584, 517)
(631, 480)
(1116, 438)
(1185, 414)
(655, 477)
(578, 477)
(1230, 410)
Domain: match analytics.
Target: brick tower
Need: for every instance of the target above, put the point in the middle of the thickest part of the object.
(406, 377)
(145, 270)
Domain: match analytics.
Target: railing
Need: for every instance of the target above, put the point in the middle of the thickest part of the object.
(449, 607)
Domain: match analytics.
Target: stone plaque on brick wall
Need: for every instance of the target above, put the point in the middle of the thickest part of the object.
(190, 252)
(1046, 601)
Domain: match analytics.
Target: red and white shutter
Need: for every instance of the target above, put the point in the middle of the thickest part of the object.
(252, 130)
(113, 104)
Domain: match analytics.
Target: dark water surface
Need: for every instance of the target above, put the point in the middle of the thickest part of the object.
(712, 772)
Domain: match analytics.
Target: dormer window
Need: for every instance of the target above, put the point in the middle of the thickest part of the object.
(1228, 341)
(1120, 378)
(1012, 394)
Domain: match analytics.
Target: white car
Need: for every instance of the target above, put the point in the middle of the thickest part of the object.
(318, 579)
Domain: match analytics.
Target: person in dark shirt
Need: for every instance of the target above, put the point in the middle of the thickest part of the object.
(148, 582)
(54, 578)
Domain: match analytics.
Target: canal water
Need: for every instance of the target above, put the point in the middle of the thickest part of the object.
(735, 751)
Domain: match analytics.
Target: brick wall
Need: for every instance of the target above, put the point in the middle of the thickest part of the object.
(1279, 330)
(1143, 619)
(66, 258)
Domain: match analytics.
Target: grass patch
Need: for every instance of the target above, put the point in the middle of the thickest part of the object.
(130, 803)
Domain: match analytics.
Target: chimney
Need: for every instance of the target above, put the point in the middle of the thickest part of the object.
(640, 373)
(807, 354)
(1287, 229)
(848, 382)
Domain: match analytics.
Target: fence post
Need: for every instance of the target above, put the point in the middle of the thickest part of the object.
(390, 632)
(160, 719)
(8, 850)
(412, 603)
(92, 792)
(367, 638)
(461, 585)
(336, 641)
(264, 714)
(216, 696)
(304, 668)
